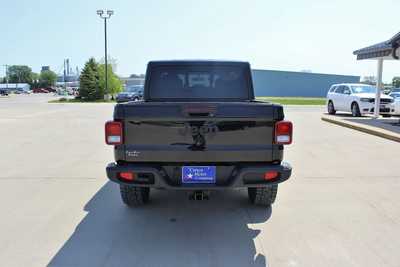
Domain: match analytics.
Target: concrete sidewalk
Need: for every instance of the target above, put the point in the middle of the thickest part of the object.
(388, 128)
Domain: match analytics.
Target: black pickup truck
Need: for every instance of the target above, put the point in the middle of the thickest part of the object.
(198, 128)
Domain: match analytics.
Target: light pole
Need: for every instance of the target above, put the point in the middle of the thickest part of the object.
(105, 15)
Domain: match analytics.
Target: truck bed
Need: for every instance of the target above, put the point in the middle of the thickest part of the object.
(198, 132)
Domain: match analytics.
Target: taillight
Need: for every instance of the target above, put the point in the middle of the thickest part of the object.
(270, 175)
(127, 176)
(283, 132)
(113, 133)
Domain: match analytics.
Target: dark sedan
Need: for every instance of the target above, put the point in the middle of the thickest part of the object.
(133, 93)
(3, 92)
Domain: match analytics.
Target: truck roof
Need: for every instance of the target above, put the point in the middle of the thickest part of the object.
(197, 62)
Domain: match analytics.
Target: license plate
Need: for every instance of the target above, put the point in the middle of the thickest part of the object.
(383, 106)
(198, 174)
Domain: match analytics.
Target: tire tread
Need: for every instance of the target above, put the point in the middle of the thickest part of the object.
(134, 196)
(263, 196)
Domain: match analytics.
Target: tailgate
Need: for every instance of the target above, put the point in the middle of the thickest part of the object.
(197, 132)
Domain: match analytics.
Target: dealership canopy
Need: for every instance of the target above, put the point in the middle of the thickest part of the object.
(387, 50)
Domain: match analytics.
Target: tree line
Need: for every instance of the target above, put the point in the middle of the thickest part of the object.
(92, 79)
(396, 82)
(371, 80)
(24, 74)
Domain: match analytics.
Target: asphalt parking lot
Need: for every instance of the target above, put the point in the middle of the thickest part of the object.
(340, 208)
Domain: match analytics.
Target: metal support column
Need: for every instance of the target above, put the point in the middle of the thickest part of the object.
(378, 87)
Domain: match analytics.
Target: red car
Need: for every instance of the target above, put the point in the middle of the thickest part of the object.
(40, 90)
(51, 89)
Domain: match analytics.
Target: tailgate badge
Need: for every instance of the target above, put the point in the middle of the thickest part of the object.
(133, 153)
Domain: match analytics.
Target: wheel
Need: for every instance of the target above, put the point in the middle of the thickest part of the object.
(263, 196)
(355, 110)
(134, 196)
(331, 108)
(136, 99)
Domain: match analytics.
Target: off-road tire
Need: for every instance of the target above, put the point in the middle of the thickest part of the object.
(262, 196)
(355, 110)
(134, 196)
(331, 108)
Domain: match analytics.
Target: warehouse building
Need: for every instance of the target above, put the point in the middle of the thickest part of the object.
(284, 83)
(301, 84)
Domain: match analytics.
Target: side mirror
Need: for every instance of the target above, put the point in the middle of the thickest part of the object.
(347, 92)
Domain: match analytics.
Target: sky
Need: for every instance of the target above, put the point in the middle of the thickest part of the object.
(280, 35)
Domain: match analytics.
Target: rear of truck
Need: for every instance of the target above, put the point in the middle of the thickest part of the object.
(199, 129)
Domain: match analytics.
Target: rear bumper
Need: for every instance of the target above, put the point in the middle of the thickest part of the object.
(150, 175)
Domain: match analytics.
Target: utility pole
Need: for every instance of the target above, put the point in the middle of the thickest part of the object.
(6, 76)
(65, 78)
(105, 15)
(18, 80)
(67, 66)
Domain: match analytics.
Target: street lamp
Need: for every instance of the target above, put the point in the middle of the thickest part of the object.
(105, 15)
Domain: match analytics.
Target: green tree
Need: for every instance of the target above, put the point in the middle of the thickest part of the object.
(396, 82)
(35, 77)
(20, 74)
(89, 88)
(114, 83)
(47, 78)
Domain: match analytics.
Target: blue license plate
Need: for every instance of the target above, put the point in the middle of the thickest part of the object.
(198, 174)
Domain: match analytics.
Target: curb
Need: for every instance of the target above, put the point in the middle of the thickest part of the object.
(363, 128)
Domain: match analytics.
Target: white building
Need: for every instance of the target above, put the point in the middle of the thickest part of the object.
(15, 86)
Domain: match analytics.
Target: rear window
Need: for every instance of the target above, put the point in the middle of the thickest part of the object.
(198, 82)
(339, 89)
(332, 89)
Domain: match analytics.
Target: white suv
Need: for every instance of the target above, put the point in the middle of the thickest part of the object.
(356, 98)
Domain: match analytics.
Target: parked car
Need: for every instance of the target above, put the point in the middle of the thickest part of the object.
(39, 90)
(396, 103)
(359, 99)
(133, 93)
(395, 90)
(199, 128)
(3, 92)
(50, 90)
